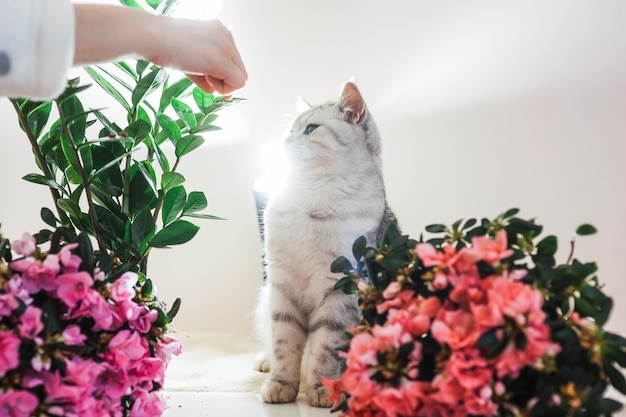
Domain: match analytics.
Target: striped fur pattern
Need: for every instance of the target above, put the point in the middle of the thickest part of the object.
(333, 195)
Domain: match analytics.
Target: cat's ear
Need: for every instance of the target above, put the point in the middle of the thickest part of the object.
(351, 103)
(301, 105)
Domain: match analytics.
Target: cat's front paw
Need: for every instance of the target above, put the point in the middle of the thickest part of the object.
(261, 363)
(278, 392)
(318, 397)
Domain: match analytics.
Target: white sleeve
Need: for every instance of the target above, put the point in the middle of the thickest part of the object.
(36, 47)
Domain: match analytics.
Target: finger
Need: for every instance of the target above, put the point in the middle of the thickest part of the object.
(202, 83)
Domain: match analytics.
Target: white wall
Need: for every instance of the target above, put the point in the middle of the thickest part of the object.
(482, 106)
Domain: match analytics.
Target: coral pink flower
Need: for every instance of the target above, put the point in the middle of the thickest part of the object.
(9, 352)
(469, 369)
(73, 287)
(491, 250)
(26, 246)
(167, 347)
(30, 324)
(456, 328)
(17, 403)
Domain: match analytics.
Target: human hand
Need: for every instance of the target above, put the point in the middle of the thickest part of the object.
(204, 50)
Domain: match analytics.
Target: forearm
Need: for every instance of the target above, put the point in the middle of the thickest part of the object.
(107, 33)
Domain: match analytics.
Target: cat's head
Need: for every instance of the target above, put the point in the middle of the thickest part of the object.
(334, 132)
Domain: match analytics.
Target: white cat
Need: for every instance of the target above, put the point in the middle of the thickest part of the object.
(333, 195)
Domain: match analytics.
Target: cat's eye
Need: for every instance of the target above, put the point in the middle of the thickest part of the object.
(310, 128)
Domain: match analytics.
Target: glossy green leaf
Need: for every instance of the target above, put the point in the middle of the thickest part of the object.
(76, 118)
(436, 228)
(340, 265)
(40, 179)
(184, 112)
(141, 66)
(203, 99)
(204, 216)
(146, 85)
(115, 78)
(204, 128)
(127, 69)
(170, 128)
(108, 87)
(142, 229)
(173, 204)
(548, 246)
(174, 91)
(69, 207)
(176, 233)
(38, 118)
(195, 202)
(171, 179)
(187, 144)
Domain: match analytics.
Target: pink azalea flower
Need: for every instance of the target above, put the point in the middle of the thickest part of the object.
(491, 250)
(70, 262)
(9, 352)
(8, 303)
(127, 346)
(113, 382)
(470, 369)
(147, 404)
(17, 403)
(37, 276)
(73, 287)
(456, 328)
(148, 369)
(124, 288)
(26, 246)
(166, 347)
(83, 373)
(144, 319)
(72, 335)
(59, 392)
(30, 324)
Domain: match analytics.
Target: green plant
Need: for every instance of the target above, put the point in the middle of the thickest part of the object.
(119, 180)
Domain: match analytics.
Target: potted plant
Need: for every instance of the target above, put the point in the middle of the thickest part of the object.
(82, 331)
(479, 320)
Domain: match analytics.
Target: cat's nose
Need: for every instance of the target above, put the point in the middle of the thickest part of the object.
(290, 139)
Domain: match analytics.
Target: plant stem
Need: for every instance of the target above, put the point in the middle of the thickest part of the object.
(159, 203)
(65, 221)
(86, 186)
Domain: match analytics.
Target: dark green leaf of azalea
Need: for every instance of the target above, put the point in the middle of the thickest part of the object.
(48, 217)
(510, 213)
(195, 202)
(187, 144)
(174, 310)
(616, 377)
(586, 229)
(176, 233)
(358, 247)
(456, 224)
(340, 265)
(469, 223)
(146, 290)
(548, 246)
(436, 228)
(40, 179)
(170, 180)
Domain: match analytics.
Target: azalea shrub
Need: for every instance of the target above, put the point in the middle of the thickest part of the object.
(80, 334)
(479, 320)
